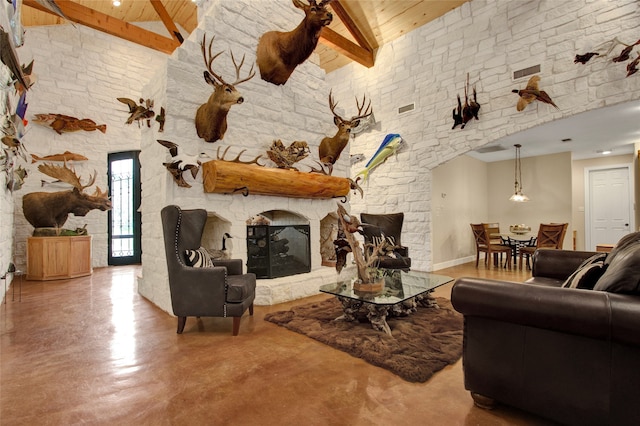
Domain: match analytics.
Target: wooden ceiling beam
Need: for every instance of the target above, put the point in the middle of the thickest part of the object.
(167, 20)
(110, 25)
(335, 41)
(362, 52)
(350, 24)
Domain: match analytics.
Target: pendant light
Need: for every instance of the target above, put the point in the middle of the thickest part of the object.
(518, 196)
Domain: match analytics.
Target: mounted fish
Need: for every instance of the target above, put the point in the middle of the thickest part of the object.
(389, 146)
(66, 156)
(181, 162)
(286, 157)
(331, 147)
(66, 124)
(139, 112)
(532, 93)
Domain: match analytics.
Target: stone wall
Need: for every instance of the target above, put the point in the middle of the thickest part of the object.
(296, 111)
(488, 39)
(80, 72)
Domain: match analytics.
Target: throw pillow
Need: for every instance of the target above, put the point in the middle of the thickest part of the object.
(623, 273)
(588, 273)
(199, 258)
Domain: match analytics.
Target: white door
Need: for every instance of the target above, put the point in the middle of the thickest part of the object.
(609, 207)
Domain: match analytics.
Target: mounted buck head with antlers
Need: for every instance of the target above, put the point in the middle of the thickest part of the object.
(211, 118)
(279, 53)
(51, 209)
(331, 148)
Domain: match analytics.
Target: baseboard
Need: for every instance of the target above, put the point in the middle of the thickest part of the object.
(454, 262)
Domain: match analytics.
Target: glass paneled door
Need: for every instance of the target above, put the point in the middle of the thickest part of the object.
(124, 217)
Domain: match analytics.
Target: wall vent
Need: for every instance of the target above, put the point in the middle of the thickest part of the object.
(407, 108)
(488, 149)
(525, 72)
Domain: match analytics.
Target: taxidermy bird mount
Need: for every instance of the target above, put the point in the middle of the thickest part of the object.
(625, 54)
(331, 147)
(462, 115)
(211, 117)
(222, 253)
(181, 162)
(139, 112)
(532, 93)
(279, 53)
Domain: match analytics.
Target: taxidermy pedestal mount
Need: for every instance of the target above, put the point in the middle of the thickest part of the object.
(211, 117)
(279, 53)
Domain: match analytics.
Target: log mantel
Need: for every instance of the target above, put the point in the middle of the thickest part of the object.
(226, 177)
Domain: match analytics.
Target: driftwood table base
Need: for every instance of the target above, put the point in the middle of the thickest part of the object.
(377, 313)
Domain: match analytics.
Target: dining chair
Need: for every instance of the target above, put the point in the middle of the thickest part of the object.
(483, 244)
(550, 236)
(493, 229)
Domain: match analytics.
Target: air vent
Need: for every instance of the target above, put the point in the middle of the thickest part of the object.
(525, 72)
(488, 149)
(407, 108)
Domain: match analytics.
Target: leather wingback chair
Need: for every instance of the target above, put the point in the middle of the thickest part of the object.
(218, 291)
(375, 226)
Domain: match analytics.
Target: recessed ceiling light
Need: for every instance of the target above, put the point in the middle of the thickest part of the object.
(604, 152)
(116, 3)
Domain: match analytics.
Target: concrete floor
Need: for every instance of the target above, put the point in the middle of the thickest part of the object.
(92, 351)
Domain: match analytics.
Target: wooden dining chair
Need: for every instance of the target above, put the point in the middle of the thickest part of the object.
(483, 244)
(550, 236)
(493, 229)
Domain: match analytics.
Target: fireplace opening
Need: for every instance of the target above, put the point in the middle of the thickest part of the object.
(278, 250)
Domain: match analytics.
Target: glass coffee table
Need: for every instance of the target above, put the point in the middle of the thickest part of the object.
(402, 294)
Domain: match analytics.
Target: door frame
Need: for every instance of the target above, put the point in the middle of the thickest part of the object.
(587, 198)
(137, 219)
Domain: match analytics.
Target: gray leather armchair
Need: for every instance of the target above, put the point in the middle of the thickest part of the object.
(218, 291)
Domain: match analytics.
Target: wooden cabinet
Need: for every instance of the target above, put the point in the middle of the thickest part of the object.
(55, 258)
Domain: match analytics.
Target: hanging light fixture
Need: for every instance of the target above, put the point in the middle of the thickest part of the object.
(518, 196)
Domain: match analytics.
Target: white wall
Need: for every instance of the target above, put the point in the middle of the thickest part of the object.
(489, 39)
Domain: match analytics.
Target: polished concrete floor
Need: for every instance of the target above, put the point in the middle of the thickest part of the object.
(92, 351)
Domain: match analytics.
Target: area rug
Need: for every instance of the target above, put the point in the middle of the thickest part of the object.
(421, 344)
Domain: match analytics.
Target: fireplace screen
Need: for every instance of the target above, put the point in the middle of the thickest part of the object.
(278, 251)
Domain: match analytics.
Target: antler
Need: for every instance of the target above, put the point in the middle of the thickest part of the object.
(333, 105)
(208, 62)
(367, 111)
(252, 73)
(66, 174)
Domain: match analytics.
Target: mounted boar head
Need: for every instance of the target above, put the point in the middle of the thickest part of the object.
(331, 147)
(211, 118)
(279, 53)
(51, 209)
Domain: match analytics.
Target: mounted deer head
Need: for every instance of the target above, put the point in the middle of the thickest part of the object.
(51, 209)
(211, 118)
(331, 148)
(279, 53)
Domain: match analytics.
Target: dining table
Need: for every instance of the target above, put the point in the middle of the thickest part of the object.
(516, 240)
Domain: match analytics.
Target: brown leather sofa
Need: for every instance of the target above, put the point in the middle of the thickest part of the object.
(571, 355)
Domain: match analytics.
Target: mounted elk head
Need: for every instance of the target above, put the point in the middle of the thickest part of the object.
(331, 148)
(51, 209)
(211, 118)
(279, 53)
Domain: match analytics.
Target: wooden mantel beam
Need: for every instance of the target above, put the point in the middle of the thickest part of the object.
(110, 25)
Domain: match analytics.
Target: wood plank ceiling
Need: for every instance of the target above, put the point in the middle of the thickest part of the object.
(358, 28)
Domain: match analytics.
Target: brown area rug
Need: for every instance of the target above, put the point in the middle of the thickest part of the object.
(421, 344)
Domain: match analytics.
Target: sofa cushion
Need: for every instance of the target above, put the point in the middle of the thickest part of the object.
(622, 274)
(622, 244)
(198, 258)
(587, 273)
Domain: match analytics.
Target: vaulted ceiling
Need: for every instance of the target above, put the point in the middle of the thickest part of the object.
(359, 28)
